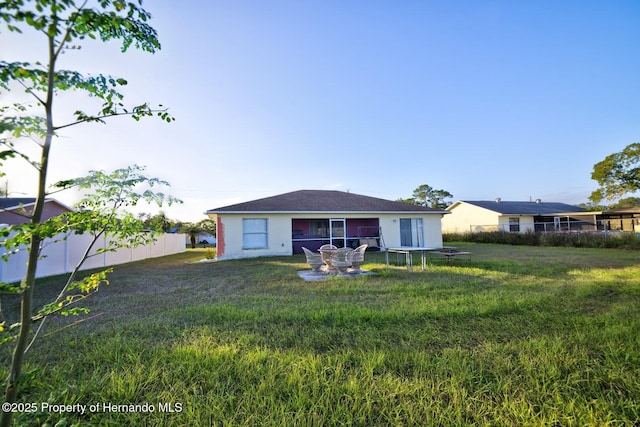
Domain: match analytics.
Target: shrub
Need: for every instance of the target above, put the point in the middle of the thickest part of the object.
(579, 240)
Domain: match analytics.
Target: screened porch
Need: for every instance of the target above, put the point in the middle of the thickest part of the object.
(340, 232)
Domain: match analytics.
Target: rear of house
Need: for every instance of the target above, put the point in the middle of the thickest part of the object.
(283, 224)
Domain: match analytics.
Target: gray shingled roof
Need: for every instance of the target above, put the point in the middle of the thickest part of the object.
(12, 202)
(322, 201)
(525, 208)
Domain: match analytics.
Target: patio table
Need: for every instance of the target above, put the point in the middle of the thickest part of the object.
(451, 254)
(407, 251)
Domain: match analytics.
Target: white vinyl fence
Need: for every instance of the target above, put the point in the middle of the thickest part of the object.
(62, 256)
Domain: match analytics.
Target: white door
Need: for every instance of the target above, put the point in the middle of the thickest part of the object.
(338, 235)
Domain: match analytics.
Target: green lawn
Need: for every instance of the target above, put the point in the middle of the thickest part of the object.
(518, 336)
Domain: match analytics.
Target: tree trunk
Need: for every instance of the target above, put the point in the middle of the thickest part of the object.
(28, 283)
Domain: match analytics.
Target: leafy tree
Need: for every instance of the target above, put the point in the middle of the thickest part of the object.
(192, 230)
(61, 23)
(158, 222)
(410, 201)
(425, 195)
(627, 202)
(593, 207)
(204, 226)
(100, 213)
(208, 226)
(618, 174)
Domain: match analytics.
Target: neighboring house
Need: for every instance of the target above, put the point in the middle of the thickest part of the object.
(621, 219)
(283, 224)
(17, 210)
(498, 215)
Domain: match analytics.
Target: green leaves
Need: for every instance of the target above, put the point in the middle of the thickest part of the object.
(67, 20)
(102, 211)
(618, 174)
(122, 187)
(7, 154)
(14, 124)
(425, 195)
(35, 79)
(18, 236)
(117, 20)
(63, 305)
(9, 288)
(64, 22)
(75, 292)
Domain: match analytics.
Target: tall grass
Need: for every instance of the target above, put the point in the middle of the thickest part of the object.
(518, 336)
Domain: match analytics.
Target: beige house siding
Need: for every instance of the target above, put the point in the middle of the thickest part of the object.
(509, 216)
(390, 225)
(230, 240)
(465, 216)
(526, 223)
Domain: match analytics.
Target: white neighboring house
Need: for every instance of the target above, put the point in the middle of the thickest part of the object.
(283, 224)
(498, 215)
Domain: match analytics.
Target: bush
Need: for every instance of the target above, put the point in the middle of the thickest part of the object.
(579, 240)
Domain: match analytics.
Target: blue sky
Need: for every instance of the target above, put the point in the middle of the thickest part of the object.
(484, 99)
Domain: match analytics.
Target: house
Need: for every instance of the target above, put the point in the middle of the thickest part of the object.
(620, 219)
(17, 210)
(283, 224)
(498, 215)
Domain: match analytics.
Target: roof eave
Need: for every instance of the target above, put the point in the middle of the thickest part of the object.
(214, 211)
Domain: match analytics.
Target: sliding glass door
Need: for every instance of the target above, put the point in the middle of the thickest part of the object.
(411, 232)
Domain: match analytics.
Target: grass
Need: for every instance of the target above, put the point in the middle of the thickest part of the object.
(520, 336)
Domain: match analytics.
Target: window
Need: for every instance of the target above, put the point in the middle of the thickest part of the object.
(411, 232)
(319, 228)
(514, 225)
(254, 233)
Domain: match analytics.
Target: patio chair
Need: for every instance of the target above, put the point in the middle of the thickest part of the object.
(314, 259)
(357, 257)
(326, 251)
(340, 260)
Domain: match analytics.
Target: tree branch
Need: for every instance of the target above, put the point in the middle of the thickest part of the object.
(106, 116)
(28, 89)
(68, 29)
